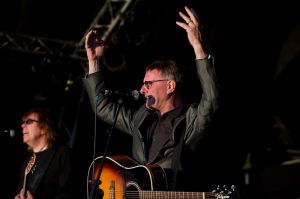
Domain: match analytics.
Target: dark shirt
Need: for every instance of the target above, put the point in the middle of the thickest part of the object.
(160, 126)
(51, 175)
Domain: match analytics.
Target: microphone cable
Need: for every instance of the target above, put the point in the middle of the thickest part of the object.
(94, 146)
(94, 151)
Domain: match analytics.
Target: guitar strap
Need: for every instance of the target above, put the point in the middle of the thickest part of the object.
(35, 181)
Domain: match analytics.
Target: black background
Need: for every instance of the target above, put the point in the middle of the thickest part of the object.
(259, 106)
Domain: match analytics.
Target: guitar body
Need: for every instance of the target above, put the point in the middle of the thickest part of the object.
(122, 177)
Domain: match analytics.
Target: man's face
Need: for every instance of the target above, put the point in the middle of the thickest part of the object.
(155, 89)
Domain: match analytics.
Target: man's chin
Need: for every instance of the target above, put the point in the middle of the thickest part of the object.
(150, 107)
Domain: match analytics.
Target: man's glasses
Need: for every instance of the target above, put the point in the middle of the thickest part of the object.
(148, 84)
(29, 121)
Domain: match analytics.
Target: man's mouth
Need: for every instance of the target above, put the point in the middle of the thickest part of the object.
(150, 100)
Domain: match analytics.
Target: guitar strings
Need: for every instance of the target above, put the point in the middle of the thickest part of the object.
(162, 194)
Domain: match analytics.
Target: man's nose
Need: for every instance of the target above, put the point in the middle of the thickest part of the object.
(142, 90)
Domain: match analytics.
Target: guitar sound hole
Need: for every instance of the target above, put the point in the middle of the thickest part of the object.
(132, 190)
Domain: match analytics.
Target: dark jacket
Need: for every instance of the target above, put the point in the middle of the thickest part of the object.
(51, 176)
(189, 126)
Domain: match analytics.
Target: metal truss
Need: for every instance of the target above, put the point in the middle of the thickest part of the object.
(111, 14)
(40, 46)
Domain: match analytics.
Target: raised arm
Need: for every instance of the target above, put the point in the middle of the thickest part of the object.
(192, 26)
(94, 49)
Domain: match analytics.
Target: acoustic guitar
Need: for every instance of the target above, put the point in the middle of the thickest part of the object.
(122, 177)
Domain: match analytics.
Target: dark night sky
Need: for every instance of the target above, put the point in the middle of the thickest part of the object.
(246, 38)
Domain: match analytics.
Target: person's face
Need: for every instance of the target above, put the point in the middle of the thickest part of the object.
(32, 133)
(155, 89)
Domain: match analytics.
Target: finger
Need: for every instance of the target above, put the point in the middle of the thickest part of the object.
(22, 191)
(22, 194)
(29, 195)
(93, 40)
(195, 15)
(88, 39)
(192, 14)
(183, 25)
(185, 18)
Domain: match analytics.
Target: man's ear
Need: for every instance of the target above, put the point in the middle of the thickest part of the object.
(171, 84)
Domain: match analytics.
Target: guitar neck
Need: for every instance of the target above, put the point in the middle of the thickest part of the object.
(175, 194)
(29, 166)
(24, 181)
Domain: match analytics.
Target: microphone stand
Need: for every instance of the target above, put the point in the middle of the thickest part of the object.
(95, 190)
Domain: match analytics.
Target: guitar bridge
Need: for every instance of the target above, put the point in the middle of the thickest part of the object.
(112, 190)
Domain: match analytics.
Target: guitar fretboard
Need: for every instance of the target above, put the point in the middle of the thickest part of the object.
(28, 168)
(173, 194)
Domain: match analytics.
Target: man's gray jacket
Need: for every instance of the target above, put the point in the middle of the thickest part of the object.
(188, 129)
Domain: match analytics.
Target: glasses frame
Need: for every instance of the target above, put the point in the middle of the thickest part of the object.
(29, 121)
(148, 84)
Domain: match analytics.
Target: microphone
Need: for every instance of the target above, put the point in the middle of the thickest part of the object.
(10, 132)
(134, 95)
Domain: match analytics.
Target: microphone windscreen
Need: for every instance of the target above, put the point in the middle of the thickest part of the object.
(135, 94)
(12, 133)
